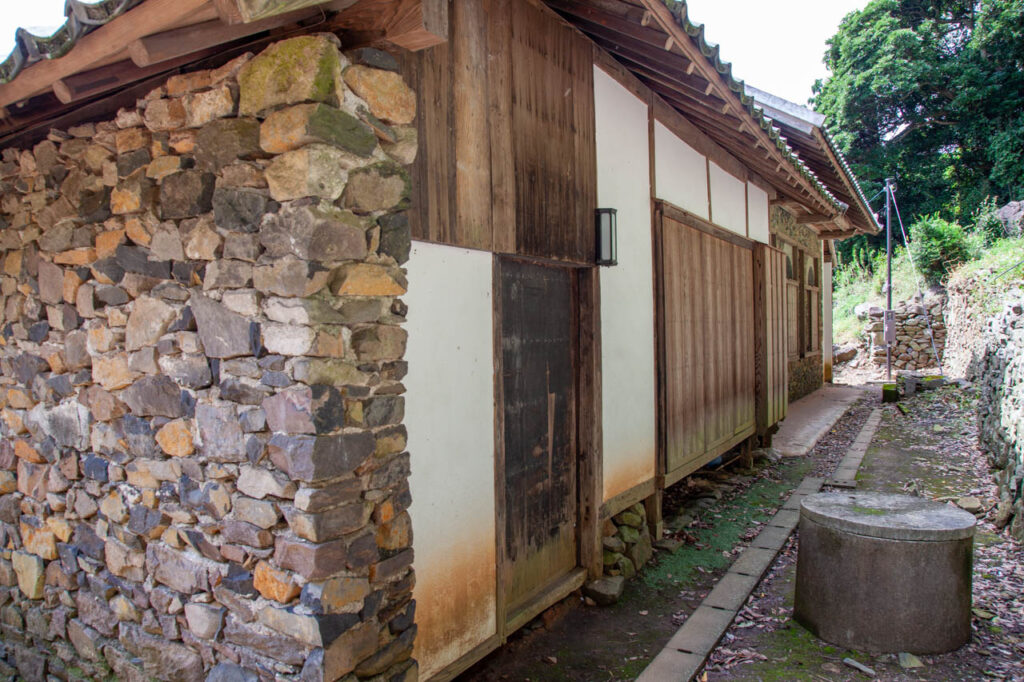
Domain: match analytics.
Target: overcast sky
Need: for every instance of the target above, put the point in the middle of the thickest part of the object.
(776, 46)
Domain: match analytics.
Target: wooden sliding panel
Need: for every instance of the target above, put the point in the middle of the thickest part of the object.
(684, 332)
(553, 136)
(707, 327)
(770, 336)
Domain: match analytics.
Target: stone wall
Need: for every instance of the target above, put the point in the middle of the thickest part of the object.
(913, 349)
(203, 467)
(1000, 372)
(986, 345)
(966, 323)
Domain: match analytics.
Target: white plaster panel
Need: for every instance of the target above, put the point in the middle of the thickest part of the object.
(450, 418)
(680, 172)
(627, 296)
(728, 200)
(757, 213)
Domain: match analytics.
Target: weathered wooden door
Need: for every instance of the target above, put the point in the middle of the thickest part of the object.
(539, 432)
(772, 358)
(707, 328)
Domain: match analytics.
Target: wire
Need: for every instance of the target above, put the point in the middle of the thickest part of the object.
(880, 193)
(927, 316)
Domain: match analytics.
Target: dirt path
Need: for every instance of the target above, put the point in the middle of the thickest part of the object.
(930, 451)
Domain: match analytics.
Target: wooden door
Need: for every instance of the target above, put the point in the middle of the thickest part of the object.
(770, 342)
(706, 318)
(539, 432)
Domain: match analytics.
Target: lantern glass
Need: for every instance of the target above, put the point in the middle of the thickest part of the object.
(607, 237)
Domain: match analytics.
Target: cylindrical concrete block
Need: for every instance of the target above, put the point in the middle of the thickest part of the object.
(885, 573)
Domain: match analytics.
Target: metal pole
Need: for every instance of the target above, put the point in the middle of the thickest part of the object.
(888, 278)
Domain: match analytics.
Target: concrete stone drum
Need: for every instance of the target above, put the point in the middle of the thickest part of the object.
(885, 573)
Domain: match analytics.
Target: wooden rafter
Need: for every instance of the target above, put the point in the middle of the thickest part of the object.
(102, 45)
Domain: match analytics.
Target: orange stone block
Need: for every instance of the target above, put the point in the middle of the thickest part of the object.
(274, 584)
(137, 232)
(175, 438)
(80, 256)
(390, 99)
(22, 450)
(39, 541)
(107, 243)
(69, 290)
(366, 279)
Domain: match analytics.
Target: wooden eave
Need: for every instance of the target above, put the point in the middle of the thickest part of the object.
(135, 45)
(817, 152)
(669, 55)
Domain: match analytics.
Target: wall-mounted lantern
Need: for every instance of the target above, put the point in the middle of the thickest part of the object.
(607, 236)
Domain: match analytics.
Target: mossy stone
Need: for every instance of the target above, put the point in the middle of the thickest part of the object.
(302, 69)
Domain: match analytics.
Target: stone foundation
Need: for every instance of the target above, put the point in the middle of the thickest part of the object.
(627, 542)
(806, 375)
(203, 467)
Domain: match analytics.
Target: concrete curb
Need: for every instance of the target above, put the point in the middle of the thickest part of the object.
(686, 652)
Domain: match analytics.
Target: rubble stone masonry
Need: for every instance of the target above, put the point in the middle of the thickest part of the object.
(203, 472)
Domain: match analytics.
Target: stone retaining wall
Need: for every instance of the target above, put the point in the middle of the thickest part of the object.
(1000, 372)
(203, 467)
(986, 345)
(913, 349)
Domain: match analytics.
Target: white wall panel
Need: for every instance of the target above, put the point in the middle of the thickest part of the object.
(757, 213)
(728, 200)
(450, 418)
(680, 172)
(627, 296)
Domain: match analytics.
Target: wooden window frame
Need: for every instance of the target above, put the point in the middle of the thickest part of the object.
(808, 343)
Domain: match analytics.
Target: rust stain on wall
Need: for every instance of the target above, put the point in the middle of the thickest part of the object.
(455, 603)
(623, 473)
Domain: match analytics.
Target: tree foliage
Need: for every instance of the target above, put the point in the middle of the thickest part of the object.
(931, 92)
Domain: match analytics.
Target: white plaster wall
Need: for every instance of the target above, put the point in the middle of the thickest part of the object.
(680, 172)
(757, 213)
(450, 418)
(627, 296)
(728, 200)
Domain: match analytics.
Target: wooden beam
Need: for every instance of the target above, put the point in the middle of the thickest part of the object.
(812, 218)
(418, 24)
(149, 17)
(94, 82)
(255, 10)
(161, 47)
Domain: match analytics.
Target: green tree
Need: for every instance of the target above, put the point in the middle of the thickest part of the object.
(930, 92)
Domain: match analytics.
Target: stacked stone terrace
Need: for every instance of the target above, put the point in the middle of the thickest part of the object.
(913, 349)
(202, 468)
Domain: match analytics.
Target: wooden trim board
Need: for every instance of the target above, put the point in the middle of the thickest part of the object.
(683, 216)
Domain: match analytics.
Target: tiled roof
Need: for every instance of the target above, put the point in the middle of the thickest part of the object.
(711, 52)
(81, 18)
